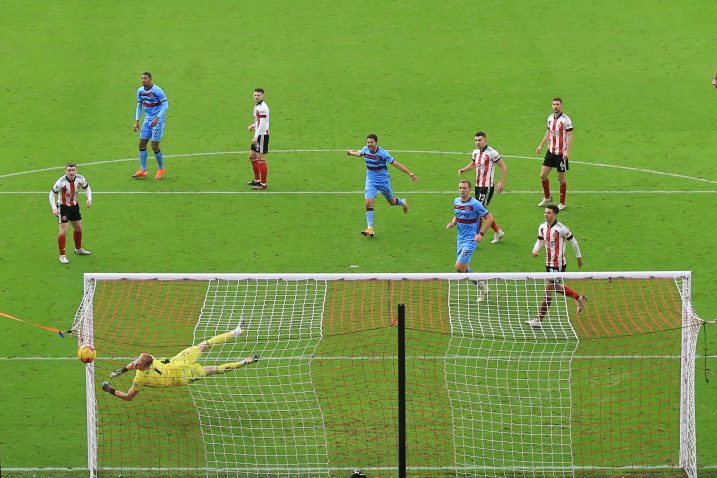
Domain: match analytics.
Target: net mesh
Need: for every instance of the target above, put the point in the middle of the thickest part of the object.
(584, 394)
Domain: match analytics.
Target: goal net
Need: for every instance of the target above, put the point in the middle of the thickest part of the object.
(606, 391)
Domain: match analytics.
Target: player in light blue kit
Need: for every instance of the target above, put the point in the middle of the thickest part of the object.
(155, 104)
(467, 212)
(377, 178)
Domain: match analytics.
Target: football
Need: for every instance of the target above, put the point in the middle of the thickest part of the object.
(86, 354)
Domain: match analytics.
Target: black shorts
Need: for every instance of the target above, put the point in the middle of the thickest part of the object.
(556, 269)
(70, 213)
(556, 161)
(484, 195)
(262, 144)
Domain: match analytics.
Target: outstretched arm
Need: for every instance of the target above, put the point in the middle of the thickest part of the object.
(404, 169)
(131, 393)
(353, 152)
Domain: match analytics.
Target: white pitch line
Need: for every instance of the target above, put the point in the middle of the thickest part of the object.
(410, 151)
(263, 193)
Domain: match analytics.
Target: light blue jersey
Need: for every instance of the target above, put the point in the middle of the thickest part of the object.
(377, 178)
(376, 165)
(468, 215)
(153, 101)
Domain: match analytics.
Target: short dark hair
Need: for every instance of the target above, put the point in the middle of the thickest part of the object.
(70, 165)
(557, 98)
(465, 181)
(553, 208)
(372, 136)
(259, 90)
(480, 133)
(147, 73)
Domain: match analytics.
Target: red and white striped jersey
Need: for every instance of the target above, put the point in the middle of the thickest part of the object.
(558, 128)
(484, 162)
(69, 190)
(554, 236)
(261, 119)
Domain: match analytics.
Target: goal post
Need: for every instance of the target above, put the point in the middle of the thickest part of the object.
(606, 390)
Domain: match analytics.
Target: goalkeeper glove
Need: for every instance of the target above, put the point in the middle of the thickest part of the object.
(117, 373)
(107, 387)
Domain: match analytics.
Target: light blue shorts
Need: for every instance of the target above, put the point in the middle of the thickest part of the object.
(465, 250)
(372, 190)
(147, 132)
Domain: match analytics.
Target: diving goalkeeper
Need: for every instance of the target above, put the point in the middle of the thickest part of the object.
(181, 369)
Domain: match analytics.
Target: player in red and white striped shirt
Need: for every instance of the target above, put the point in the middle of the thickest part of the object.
(484, 160)
(63, 200)
(555, 235)
(560, 137)
(260, 142)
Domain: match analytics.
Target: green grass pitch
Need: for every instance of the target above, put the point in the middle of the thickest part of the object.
(424, 76)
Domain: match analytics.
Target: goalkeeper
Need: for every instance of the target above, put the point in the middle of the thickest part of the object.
(181, 369)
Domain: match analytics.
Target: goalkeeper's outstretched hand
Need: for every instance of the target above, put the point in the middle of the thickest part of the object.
(107, 387)
(117, 373)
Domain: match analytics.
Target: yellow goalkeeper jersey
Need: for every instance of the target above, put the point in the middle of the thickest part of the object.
(179, 370)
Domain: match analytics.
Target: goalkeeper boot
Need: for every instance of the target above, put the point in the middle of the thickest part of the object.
(140, 174)
(535, 323)
(241, 329)
(368, 232)
(254, 359)
(545, 202)
(82, 252)
(581, 302)
(64, 260)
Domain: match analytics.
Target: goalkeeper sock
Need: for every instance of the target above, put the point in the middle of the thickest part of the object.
(232, 366)
(221, 339)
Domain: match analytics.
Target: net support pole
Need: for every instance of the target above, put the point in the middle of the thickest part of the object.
(401, 391)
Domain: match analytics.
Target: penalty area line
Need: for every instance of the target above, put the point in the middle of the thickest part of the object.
(407, 151)
(229, 193)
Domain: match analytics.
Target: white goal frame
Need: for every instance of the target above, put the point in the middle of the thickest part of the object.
(687, 452)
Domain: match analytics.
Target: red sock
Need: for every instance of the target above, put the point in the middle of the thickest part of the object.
(77, 236)
(255, 167)
(546, 188)
(544, 307)
(263, 172)
(563, 192)
(495, 226)
(61, 239)
(570, 293)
